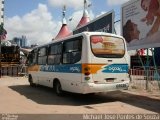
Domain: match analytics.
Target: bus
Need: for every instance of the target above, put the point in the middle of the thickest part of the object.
(85, 63)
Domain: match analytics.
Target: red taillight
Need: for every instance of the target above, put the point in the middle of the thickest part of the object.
(87, 70)
(87, 73)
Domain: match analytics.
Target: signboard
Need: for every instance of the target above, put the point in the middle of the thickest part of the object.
(103, 23)
(141, 23)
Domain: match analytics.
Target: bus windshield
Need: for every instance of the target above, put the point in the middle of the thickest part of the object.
(107, 46)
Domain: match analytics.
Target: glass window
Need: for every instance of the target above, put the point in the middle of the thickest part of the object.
(42, 56)
(42, 60)
(42, 52)
(72, 51)
(32, 57)
(107, 47)
(35, 58)
(54, 59)
(71, 46)
(55, 49)
(55, 52)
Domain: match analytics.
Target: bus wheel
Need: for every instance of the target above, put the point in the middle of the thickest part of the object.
(58, 88)
(31, 81)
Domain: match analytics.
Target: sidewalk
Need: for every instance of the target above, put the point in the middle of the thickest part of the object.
(137, 90)
(6, 81)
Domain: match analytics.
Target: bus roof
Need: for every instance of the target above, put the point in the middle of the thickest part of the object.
(77, 35)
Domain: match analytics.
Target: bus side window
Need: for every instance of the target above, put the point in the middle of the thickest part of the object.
(54, 54)
(34, 57)
(72, 51)
(29, 59)
(42, 56)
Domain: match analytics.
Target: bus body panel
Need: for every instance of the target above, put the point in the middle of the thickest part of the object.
(105, 71)
(68, 75)
(108, 72)
(89, 75)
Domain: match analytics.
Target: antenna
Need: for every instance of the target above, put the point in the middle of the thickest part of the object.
(64, 11)
(63, 15)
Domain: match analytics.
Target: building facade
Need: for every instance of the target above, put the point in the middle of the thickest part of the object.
(1, 11)
(20, 41)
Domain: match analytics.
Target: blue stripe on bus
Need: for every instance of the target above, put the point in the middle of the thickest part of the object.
(77, 68)
(68, 68)
(116, 68)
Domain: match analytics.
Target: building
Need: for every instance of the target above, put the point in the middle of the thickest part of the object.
(22, 42)
(85, 18)
(1, 11)
(64, 31)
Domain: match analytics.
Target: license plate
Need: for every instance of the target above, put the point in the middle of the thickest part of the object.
(109, 80)
(121, 86)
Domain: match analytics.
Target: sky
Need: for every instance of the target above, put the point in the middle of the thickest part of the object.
(40, 20)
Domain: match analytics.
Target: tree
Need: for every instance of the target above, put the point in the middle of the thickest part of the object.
(3, 32)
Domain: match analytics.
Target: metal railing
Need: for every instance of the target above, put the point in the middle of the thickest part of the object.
(14, 71)
(140, 79)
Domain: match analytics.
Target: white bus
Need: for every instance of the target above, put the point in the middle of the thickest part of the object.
(89, 62)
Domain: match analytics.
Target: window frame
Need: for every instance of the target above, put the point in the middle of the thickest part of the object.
(111, 56)
(56, 53)
(80, 38)
(43, 55)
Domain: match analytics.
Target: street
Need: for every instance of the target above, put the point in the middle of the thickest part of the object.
(18, 97)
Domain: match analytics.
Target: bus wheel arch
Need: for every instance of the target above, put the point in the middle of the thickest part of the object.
(57, 87)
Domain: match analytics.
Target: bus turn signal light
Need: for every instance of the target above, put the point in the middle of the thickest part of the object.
(87, 68)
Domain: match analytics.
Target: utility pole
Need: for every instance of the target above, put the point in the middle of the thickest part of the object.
(1, 32)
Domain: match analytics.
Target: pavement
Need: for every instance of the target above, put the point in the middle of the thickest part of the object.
(17, 97)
